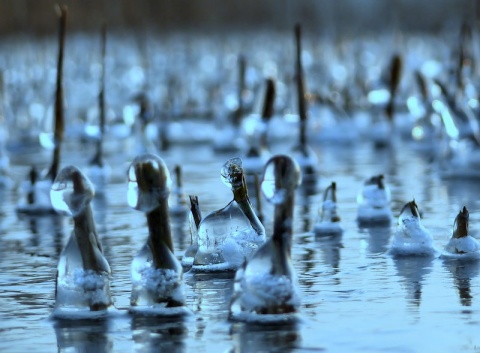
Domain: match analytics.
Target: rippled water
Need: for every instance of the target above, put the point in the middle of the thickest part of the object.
(354, 296)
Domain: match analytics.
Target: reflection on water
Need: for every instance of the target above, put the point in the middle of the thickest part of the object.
(248, 337)
(100, 210)
(378, 238)
(305, 212)
(463, 272)
(330, 250)
(3, 196)
(180, 231)
(412, 271)
(152, 334)
(463, 193)
(83, 336)
(45, 231)
(212, 291)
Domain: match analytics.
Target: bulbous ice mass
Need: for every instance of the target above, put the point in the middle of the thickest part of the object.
(71, 191)
(411, 237)
(226, 238)
(232, 173)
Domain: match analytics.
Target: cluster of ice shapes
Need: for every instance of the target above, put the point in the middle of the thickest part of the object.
(410, 237)
(227, 241)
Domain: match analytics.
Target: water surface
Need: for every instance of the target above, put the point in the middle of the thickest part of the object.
(355, 297)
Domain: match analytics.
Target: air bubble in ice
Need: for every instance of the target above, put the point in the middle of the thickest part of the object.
(232, 172)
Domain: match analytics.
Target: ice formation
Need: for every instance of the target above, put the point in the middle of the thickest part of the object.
(83, 283)
(157, 286)
(410, 236)
(374, 202)
(266, 287)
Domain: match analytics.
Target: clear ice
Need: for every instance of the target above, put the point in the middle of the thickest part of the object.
(266, 292)
(262, 293)
(188, 257)
(225, 239)
(230, 172)
(65, 199)
(80, 290)
(274, 194)
(230, 235)
(155, 288)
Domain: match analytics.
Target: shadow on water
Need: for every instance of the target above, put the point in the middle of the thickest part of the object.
(83, 336)
(463, 272)
(154, 334)
(248, 337)
(412, 271)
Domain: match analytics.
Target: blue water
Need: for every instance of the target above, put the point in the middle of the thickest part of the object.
(354, 296)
